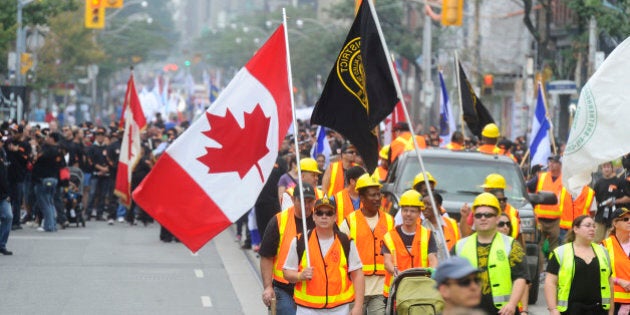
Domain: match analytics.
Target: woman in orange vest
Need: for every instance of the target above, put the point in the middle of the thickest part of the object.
(333, 278)
(618, 246)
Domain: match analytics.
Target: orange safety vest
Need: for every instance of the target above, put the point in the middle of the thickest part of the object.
(506, 153)
(417, 258)
(620, 263)
(580, 206)
(381, 172)
(369, 242)
(344, 205)
(488, 149)
(454, 146)
(330, 286)
(337, 179)
(515, 219)
(451, 232)
(287, 231)
(552, 211)
(404, 143)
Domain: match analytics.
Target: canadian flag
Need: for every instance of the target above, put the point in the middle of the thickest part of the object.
(213, 173)
(130, 149)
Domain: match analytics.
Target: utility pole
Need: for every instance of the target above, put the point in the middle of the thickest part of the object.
(592, 45)
(427, 82)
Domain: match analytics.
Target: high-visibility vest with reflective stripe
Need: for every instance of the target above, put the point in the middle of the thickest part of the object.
(344, 206)
(337, 179)
(404, 143)
(330, 286)
(620, 263)
(545, 182)
(515, 220)
(417, 258)
(454, 146)
(566, 259)
(580, 206)
(451, 232)
(488, 149)
(369, 242)
(499, 271)
(287, 231)
(381, 173)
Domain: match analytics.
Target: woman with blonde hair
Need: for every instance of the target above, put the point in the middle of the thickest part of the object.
(618, 246)
(590, 292)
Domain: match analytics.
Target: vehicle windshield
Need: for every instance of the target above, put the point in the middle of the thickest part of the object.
(460, 179)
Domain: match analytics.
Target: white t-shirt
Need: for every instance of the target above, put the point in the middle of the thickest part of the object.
(292, 263)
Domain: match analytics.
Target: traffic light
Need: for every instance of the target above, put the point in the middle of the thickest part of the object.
(452, 12)
(94, 14)
(488, 84)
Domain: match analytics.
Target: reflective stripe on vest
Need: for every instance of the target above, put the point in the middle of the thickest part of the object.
(336, 178)
(287, 231)
(344, 206)
(515, 220)
(566, 260)
(620, 267)
(451, 232)
(369, 242)
(499, 271)
(417, 258)
(330, 286)
(580, 206)
(551, 211)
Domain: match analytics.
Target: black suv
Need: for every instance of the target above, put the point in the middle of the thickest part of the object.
(459, 175)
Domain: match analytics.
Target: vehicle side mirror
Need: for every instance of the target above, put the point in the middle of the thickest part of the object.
(543, 198)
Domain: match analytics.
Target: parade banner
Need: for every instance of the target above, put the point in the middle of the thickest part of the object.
(360, 91)
(599, 131)
(213, 173)
(475, 114)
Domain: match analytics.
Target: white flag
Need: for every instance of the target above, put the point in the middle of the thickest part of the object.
(539, 142)
(599, 133)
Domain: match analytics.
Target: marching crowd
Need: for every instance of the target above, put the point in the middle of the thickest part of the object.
(353, 248)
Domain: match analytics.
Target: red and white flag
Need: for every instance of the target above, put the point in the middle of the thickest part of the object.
(130, 148)
(213, 173)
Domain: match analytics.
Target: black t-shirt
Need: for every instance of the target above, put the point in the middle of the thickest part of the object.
(18, 160)
(518, 268)
(271, 238)
(408, 239)
(49, 162)
(606, 188)
(585, 287)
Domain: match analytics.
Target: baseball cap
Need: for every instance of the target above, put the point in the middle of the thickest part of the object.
(346, 146)
(307, 191)
(620, 212)
(453, 268)
(555, 158)
(325, 202)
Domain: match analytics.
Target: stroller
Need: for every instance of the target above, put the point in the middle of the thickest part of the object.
(413, 292)
(73, 197)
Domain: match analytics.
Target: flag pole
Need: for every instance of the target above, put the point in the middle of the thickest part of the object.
(440, 232)
(459, 93)
(295, 140)
(550, 131)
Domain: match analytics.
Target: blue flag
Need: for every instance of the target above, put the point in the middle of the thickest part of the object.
(321, 145)
(447, 122)
(540, 144)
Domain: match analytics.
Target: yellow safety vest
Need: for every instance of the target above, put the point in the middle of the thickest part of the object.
(566, 260)
(499, 271)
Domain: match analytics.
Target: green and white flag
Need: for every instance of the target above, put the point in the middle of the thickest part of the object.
(600, 128)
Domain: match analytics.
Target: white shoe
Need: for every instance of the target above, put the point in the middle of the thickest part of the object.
(40, 229)
(121, 219)
(110, 221)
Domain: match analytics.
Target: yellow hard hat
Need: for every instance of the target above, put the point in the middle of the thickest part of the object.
(411, 198)
(384, 153)
(309, 165)
(491, 131)
(420, 179)
(486, 199)
(366, 180)
(494, 181)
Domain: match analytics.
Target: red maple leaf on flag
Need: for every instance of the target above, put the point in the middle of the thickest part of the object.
(241, 148)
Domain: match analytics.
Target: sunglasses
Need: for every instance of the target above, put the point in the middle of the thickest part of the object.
(326, 213)
(624, 219)
(465, 282)
(351, 152)
(486, 215)
(504, 199)
(503, 223)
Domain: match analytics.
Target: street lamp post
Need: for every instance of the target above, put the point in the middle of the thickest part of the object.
(19, 44)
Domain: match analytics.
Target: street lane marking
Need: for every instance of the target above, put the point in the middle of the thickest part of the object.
(194, 254)
(199, 273)
(205, 301)
(51, 238)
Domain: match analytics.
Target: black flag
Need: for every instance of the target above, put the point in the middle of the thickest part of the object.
(475, 114)
(360, 90)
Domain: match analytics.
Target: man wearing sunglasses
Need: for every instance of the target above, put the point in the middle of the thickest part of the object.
(274, 249)
(504, 270)
(334, 277)
(459, 284)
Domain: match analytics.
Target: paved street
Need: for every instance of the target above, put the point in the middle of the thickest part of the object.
(120, 269)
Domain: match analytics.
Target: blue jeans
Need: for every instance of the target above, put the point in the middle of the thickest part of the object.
(285, 305)
(6, 220)
(45, 194)
(16, 191)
